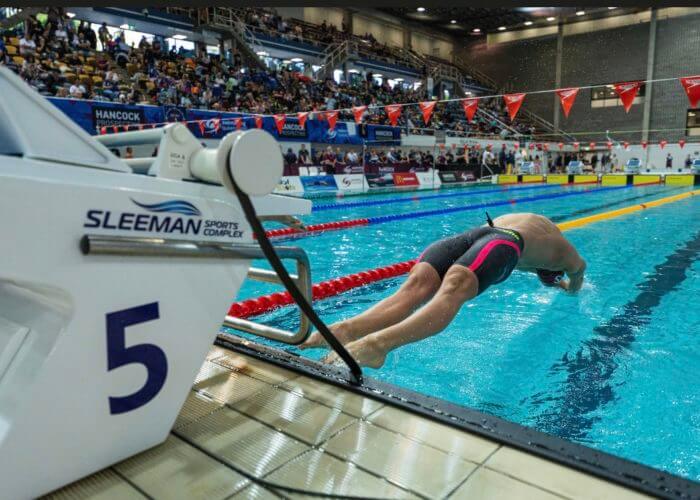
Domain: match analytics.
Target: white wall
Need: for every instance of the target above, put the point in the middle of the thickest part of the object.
(317, 15)
(655, 158)
(383, 32)
(431, 46)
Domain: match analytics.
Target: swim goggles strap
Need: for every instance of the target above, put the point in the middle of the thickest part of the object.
(488, 219)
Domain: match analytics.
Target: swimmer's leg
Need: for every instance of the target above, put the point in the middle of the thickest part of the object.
(459, 285)
(422, 283)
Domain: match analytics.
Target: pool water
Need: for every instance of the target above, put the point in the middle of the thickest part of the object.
(613, 367)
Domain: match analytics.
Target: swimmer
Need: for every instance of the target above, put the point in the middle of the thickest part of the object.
(451, 272)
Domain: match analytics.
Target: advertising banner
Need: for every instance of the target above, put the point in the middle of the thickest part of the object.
(318, 183)
(93, 115)
(380, 180)
(428, 179)
(451, 177)
(289, 185)
(350, 182)
(405, 179)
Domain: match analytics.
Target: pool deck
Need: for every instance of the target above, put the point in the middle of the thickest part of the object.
(294, 430)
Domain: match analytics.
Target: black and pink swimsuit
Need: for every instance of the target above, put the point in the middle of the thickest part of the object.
(490, 252)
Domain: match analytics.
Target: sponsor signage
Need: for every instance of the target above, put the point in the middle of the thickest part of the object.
(380, 180)
(450, 177)
(350, 182)
(314, 183)
(108, 116)
(428, 179)
(292, 130)
(289, 185)
(405, 179)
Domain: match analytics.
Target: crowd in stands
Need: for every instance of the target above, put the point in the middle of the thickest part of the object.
(60, 57)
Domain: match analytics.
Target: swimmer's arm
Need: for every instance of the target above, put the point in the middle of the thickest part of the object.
(575, 271)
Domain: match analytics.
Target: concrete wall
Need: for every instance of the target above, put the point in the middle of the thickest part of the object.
(601, 53)
(317, 15)
(383, 32)
(432, 46)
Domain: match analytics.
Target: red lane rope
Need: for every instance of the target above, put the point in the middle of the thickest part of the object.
(266, 303)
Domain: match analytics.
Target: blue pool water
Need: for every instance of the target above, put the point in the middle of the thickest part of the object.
(613, 367)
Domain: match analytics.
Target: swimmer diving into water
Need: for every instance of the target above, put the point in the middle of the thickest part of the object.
(451, 272)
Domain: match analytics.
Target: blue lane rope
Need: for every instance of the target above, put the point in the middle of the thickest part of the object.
(389, 201)
(427, 213)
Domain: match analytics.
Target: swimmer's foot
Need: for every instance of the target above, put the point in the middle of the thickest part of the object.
(367, 351)
(342, 332)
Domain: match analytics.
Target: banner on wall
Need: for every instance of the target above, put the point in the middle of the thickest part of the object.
(314, 183)
(405, 179)
(428, 179)
(450, 177)
(289, 185)
(350, 182)
(380, 180)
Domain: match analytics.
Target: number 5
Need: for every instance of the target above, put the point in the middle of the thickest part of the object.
(149, 355)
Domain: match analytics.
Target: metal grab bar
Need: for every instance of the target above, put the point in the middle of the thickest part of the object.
(92, 244)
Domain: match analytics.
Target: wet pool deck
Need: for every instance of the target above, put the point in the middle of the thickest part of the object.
(295, 431)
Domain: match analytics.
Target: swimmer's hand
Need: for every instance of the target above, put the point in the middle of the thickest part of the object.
(366, 351)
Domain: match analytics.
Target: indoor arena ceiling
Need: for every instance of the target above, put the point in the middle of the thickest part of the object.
(478, 20)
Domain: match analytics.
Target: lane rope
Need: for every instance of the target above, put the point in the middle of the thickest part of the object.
(328, 288)
(326, 226)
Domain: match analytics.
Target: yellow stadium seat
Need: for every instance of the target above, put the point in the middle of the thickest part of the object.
(97, 80)
(11, 50)
(69, 76)
(91, 61)
(88, 69)
(18, 60)
(14, 41)
(84, 79)
(131, 68)
(150, 85)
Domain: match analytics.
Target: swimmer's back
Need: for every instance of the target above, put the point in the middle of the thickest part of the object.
(528, 224)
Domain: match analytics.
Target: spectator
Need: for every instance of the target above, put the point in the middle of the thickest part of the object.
(688, 162)
(77, 90)
(27, 46)
(104, 36)
(669, 161)
(304, 157)
(129, 153)
(290, 158)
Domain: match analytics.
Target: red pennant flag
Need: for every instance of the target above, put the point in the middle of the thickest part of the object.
(591, 145)
(609, 144)
(201, 126)
(663, 143)
(358, 111)
(427, 110)
(469, 106)
(626, 145)
(567, 98)
(302, 118)
(644, 144)
(332, 117)
(442, 146)
(681, 143)
(115, 129)
(103, 130)
(561, 146)
(238, 122)
(393, 111)
(691, 84)
(627, 91)
(576, 145)
(259, 121)
(279, 122)
(217, 124)
(513, 103)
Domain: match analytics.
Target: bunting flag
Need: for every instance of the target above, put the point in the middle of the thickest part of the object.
(663, 143)
(576, 145)
(626, 145)
(302, 118)
(103, 130)
(279, 122)
(627, 91)
(332, 118)
(140, 126)
(567, 98)
(125, 128)
(358, 111)
(681, 143)
(561, 146)
(393, 111)
(115, 129)
(644, 144)
(238, 122)
(427, 108)
(591, 145)
(691, 84)
(513, 103)
(469, 106)
(259, 121)
(201, 126)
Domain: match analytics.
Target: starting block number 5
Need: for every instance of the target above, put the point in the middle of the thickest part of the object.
(149, 355)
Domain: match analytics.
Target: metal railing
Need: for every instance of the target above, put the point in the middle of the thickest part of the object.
(92, 244)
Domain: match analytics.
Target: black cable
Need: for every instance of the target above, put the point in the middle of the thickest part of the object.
(287, 281)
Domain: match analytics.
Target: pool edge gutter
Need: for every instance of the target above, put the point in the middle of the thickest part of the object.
(618, 470)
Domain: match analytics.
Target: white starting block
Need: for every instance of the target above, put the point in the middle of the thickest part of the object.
(574, 167)
(113, 284)
(695, 166)
(633, 166)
